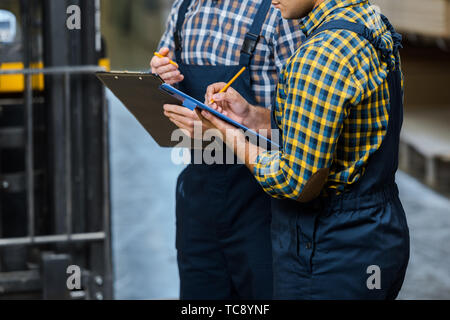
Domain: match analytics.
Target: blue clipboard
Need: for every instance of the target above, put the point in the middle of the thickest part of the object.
(192, 103)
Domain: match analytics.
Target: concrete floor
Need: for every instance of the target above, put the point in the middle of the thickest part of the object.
(143, 204)
(428, 275)
(143, 185)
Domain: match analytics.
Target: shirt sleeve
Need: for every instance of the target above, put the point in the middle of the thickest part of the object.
(167, 38)
(313, 100)
(287, 38)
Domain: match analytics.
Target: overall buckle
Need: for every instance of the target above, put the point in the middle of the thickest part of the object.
(250, 42)
(177, 40)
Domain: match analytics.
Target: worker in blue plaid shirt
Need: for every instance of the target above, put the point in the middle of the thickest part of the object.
(223, 215)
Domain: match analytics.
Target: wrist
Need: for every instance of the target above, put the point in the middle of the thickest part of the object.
(250, 119)
(257, 118)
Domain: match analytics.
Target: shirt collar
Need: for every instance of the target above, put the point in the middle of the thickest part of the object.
(315, 18)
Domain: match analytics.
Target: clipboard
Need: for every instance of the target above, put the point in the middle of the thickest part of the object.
(192, 103)
(144, 95)
(141, 95)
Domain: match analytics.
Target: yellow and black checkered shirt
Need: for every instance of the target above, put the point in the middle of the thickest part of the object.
(332, 103)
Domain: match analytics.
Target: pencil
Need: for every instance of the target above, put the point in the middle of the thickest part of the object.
(231, 81)
(170, 61)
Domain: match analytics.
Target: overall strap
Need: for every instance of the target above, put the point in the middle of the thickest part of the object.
(177, 33)
(364, 32)
(252, 37)
(396, 37)
(340, 24)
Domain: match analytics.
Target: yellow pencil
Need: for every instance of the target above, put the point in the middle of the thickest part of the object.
(231, 81)
(170, 61)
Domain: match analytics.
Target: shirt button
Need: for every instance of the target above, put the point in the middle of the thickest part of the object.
(309, 246)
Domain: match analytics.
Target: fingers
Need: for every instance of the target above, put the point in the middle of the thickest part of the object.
(210, 121)
(174, 76)
(167, 71)
(216, 122)
(216, 107)
(229, 96)
(205, 115)
(186, 125)
(164, 51)
(182, 117)
(185, 129)
(213, 89)
(159, 62)
(185, 122)
(198, 112)
(180, 110)
(213, 94)
(175, 80)
(162, 65)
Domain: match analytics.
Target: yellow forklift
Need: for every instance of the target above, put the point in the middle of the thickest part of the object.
(54, 153)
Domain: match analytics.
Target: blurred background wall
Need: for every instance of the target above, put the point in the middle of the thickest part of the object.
(425, 148)
(132, 30)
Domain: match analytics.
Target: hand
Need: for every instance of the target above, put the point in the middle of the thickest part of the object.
(186, 120)
(162, 67)
(230, 103)
(210, 121)
(233, 137)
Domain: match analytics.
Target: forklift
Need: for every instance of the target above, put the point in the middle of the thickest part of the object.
(54, 153)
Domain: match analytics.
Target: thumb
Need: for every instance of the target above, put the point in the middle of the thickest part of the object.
(229, 96)
(219, 97)
(164, 51)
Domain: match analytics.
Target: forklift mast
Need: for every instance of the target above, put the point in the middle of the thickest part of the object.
(54, 153)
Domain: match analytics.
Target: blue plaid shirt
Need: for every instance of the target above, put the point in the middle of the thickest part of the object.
(213, 33)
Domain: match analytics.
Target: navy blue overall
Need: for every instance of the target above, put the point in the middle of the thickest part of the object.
(354, 245)
(223, 216)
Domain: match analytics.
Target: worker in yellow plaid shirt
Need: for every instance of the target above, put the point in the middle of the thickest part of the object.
(339, 230)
